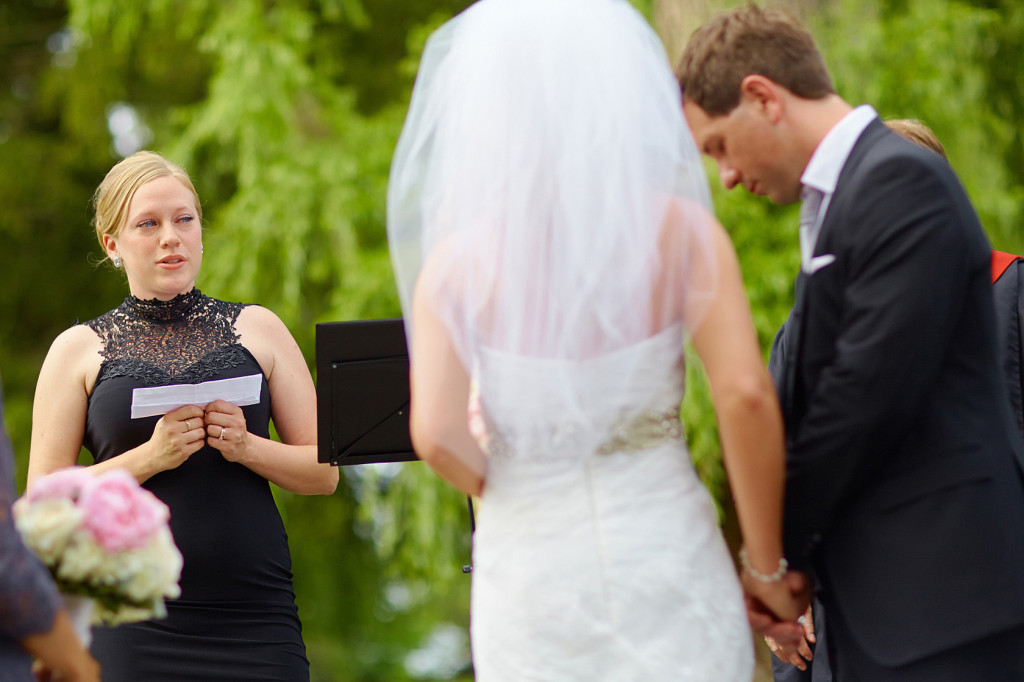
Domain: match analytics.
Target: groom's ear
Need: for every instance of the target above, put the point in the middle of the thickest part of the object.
(763, 96)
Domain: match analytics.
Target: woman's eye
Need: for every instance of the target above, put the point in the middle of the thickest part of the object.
(186, 218)
(147, 223)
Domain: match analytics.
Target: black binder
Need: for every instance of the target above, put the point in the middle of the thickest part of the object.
(362, 392)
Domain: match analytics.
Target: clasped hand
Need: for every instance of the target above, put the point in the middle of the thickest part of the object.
(225, 429)
(774, 607)
(182, 432)
(800, 654)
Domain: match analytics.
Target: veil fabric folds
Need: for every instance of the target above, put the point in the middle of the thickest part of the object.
(545, 194)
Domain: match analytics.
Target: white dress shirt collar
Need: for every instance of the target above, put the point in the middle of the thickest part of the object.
(820, 179)
(822, 172)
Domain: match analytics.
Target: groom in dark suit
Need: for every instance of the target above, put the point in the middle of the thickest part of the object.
(905, 481)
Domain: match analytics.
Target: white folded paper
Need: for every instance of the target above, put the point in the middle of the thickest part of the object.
(239, 391)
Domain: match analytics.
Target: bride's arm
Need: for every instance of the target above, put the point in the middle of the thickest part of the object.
(749, 419)
(439, 387)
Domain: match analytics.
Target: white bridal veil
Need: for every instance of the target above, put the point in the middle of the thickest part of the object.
(546, 192)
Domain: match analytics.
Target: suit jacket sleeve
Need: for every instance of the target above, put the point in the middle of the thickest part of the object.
(1006, 291)
(777, 359)
(28, 596)
(907, 245)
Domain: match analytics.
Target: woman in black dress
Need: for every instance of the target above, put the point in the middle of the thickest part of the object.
(236, 618)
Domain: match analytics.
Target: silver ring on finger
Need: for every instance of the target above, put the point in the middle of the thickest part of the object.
(222, 430)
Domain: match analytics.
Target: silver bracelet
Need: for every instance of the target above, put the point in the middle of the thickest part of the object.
(761, 577)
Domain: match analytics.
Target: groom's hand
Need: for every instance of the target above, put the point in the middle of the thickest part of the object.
(800, 654)
(772, 608)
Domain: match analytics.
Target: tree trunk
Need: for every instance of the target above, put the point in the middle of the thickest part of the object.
(676, 20)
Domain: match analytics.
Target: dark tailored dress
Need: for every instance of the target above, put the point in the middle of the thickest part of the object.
(236, 618)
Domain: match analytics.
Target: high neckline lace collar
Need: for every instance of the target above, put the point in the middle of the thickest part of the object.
(164, 311)
(185, 340)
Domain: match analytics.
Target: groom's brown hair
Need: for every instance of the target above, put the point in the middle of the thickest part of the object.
(750, 40)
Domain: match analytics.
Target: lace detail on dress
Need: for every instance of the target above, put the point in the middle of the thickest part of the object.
(640, 432)
(166, 311)
(185, 340)
(630, 433)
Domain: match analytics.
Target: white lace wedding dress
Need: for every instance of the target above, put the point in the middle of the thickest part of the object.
(597, 555)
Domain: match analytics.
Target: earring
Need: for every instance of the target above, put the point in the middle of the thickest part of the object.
(117, 261)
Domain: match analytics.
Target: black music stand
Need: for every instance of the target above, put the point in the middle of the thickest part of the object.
(362, 392)
(362, 395)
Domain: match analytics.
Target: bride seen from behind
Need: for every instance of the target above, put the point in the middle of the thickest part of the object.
(551, 232)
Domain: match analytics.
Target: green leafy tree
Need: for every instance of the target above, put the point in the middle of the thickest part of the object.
(286, 114)
(288, 142)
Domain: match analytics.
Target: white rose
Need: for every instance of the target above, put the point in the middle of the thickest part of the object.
(84, 561)
(161, 570)
(127, 614)
(47, 526)
(118, 568)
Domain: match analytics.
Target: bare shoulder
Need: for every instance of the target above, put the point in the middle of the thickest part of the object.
(76, 354)
(80, 338)
(259, 320)
(685, 217)
(442, 269)
(78, 343)
(255, 321)
(692, 240)
(262, 332)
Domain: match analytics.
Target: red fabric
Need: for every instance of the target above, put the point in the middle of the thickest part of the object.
(1001, 261)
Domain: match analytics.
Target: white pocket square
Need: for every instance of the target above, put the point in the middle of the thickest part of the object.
(818, 262)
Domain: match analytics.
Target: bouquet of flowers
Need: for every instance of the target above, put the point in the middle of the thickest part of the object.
(104, 538)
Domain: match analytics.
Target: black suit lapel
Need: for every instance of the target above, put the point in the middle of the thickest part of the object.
(795, 331)
(875, 131)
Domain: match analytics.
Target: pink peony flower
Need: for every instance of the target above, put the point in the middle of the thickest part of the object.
(119, 513)
(61, 484)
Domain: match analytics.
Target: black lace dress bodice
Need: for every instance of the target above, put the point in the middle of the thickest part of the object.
(236, 618)
(185, 340)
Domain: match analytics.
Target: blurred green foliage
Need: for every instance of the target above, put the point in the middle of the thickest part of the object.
(953, 64)
(286, 113)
